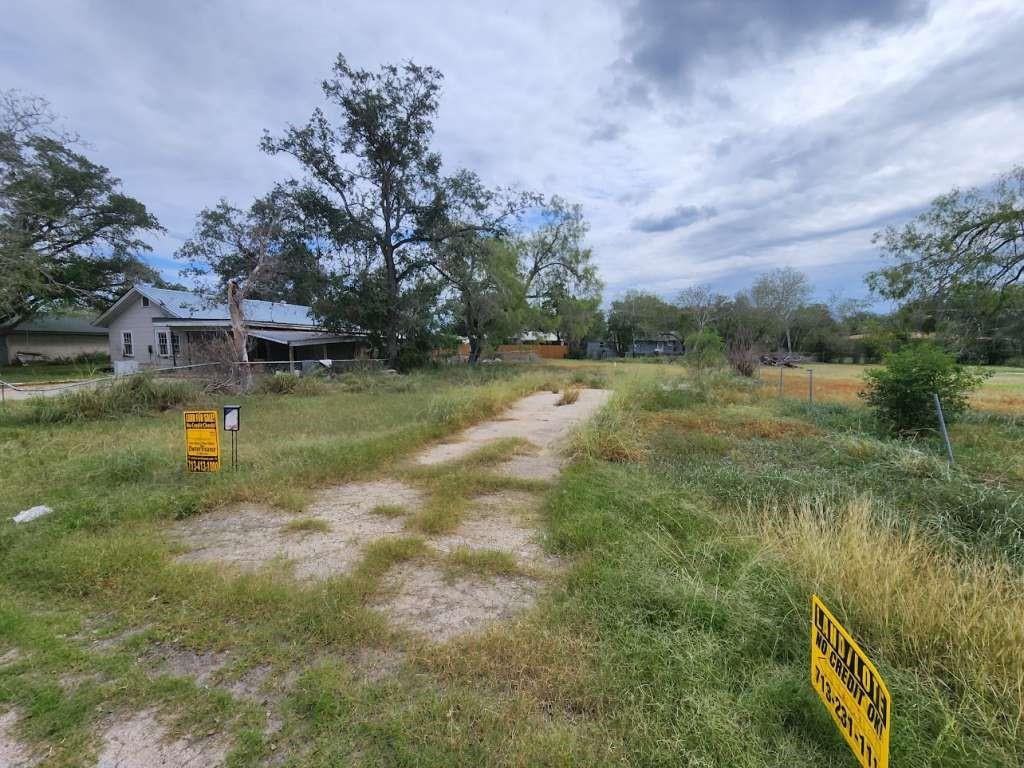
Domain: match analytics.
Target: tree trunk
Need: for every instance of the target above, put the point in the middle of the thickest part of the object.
(391, 325)
(789, 343)
(4, 333)
(474, 350)
(239, 336)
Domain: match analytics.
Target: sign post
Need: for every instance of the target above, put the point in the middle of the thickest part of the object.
(202, 441)
(232, 421)
(850, 688)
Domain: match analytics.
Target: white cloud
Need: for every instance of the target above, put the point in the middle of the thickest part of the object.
(801, 150)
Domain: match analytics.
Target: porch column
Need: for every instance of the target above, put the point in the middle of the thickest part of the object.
(291, 358)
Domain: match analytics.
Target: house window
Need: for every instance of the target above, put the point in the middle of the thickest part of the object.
(175, 344)
(161, 343)
(145, 301)
(127, 349)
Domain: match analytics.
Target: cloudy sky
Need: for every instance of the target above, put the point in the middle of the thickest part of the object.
(707, 140)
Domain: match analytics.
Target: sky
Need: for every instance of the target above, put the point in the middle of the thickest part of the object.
(707, 141)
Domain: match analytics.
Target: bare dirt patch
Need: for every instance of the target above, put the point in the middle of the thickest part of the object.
(420, 598)
(504, 521)
(420, 595)
(536, 419)
(115, 640)
(11, 656)
(248, 536)
(13, 753)
(374, 664)
(172, 660)
(140, 741)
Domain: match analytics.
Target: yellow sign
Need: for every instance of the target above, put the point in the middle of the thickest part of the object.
(202, 441)
(850, 687)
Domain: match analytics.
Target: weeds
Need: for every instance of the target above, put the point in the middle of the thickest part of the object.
(130, 396)
(480, 562)
(289, 384)
(569, 396)
(307, 525)
(389, 510)
(963, 621)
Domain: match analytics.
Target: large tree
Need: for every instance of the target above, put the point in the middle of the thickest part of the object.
(375, 182)
(270, 244)
(264, 252)
(487, 292)
(640, 315)
(68, 236)
(698, 304)
(554, 253)
(965, 238)
(781, 293)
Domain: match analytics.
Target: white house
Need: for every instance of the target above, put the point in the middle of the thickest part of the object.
(159, 328)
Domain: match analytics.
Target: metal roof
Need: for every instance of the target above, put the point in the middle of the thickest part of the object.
(186, 304)
(301, 338)
(56, 324)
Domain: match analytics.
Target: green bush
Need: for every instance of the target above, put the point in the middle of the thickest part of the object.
(901, 392)
(704, 351)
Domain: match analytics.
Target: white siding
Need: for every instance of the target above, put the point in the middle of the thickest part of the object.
(138, 320)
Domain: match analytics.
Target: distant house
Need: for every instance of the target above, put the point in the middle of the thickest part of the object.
(159, 328)
(599, 350)
(664, 344)
(51, 338)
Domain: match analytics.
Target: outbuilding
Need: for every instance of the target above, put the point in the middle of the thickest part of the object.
(49, 338)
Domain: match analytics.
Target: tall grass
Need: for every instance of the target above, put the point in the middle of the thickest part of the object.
(289, 384)
(962, 620)
(131, 396)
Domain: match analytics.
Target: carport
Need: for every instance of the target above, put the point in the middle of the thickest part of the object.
(306, 345)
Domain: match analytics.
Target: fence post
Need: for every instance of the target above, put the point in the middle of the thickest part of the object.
(942, 427)
(3, 392)
(810, 386)
(781, 369)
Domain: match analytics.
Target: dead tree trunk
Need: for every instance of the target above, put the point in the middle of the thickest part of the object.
(239, 335)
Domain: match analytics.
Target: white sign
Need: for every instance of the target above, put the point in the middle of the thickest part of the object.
(231, 417)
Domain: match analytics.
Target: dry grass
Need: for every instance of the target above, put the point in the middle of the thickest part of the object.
(840, 383)
(963, 620)
(765, 427)
(613, 435)
(569, 396)
(307, 525)
(389, 510)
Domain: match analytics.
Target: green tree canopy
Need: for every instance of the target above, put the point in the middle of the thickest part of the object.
(269, 244)
(966, 237)
(488, 298)
(376, 185)
(68, 235)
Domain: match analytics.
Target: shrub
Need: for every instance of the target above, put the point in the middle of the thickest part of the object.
(901, 392)
(704, 351)
(742, 354)
(569, 396)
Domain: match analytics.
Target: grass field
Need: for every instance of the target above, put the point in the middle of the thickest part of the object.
(840, 383)
(29, 374)
(696, 520)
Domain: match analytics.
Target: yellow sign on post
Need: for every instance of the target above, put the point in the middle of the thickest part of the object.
(850, 687)
(202, 441)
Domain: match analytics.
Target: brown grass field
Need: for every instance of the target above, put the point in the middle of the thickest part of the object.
(836, 382)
